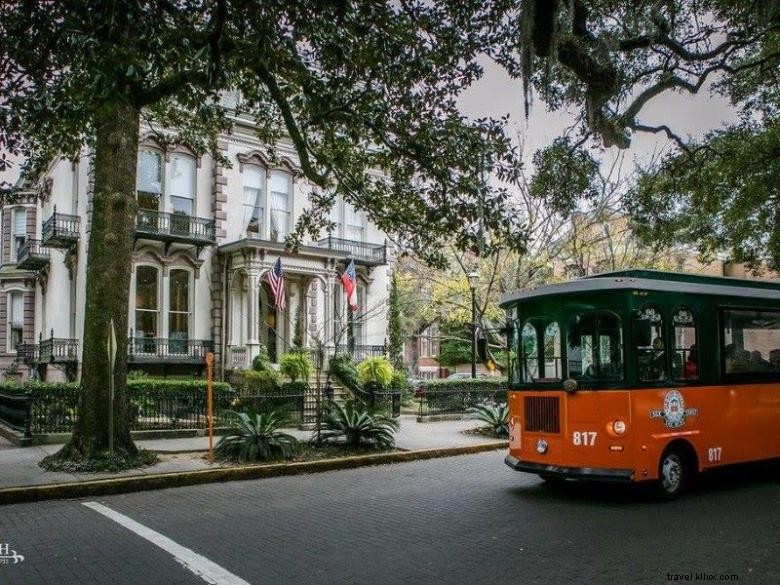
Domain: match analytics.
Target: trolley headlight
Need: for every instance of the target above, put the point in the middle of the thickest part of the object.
(541, 446)
(619, 427)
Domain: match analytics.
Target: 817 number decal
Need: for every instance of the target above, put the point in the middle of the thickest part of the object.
(584, 438)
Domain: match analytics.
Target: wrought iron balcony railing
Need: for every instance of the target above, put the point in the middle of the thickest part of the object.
(361, 252)
(165, 350)
(60, 230)
(32, 255)
(175, 227)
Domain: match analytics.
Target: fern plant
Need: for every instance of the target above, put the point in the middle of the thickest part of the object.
(375, 371)
(358, 426)
(256, 437)
(296, 365)
(495, 415)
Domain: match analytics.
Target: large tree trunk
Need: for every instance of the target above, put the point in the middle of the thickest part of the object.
(109, 262)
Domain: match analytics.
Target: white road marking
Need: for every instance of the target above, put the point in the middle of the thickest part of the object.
(207, 570)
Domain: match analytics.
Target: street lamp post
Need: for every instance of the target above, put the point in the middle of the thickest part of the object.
(473, 277)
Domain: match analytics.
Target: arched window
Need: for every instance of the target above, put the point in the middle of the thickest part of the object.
(149, 178)
(685, 360)
(181, 185)
(146, 301)
(529, 349)
(650, 343)
(179, 310)
(553, 368)
(254, 186)
(280, 187)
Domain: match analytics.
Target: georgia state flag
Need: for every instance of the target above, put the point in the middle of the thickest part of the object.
(349, 280)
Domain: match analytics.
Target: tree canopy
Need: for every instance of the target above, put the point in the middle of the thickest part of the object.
(607, 60)
(365, 91)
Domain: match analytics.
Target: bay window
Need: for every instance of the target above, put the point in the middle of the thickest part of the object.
(18, 230)
(149, 178)
(181, 185)
(146, 301)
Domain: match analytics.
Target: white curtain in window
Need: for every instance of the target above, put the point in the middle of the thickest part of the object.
(182, 184)
(20, 222)
(17, 310)
(337, 217)
(355, 224)
(149, 177)
(281, 195)
(254, 180)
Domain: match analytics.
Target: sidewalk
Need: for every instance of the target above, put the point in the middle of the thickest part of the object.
(19, 465)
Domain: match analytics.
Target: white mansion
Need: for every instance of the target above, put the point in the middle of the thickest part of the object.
(205, 236)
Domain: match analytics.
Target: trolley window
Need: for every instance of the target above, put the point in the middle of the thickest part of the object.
(595, 347)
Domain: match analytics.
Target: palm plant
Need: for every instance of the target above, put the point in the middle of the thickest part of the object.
(255, 437)
(495, 415)
(359, 426)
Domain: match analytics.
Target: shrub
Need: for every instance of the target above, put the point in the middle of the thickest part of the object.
(495, 415)
(261, 362)
(342, 367)
(296, 365)
(454, 351)
(256, 437)
(358, 426)
(261, 381)
(375, 371)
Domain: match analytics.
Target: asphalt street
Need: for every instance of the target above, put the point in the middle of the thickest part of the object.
(458, 520)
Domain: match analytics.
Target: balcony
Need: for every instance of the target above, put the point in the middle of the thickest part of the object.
(361, 252)
(58, 350)
(175, 228)
(28, 353)
(55, 350)
(32, 255)
(60, 230)
(161, 350)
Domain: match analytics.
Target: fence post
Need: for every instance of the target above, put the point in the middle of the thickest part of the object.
(210, 389)
(28, 415)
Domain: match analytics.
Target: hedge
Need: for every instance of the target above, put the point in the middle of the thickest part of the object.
(465, 384)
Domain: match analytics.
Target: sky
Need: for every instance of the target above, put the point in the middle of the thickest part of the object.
(496, 94)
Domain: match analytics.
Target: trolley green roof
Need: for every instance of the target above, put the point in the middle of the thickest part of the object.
(653, 280)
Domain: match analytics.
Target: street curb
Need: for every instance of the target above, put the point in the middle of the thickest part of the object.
(136, 483)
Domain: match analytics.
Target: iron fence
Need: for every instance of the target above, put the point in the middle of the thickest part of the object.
(166, 409)
(361, 352)
(291, 403)
(361, 252)
(456, 401)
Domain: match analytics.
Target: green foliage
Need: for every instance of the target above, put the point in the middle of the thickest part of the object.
(722, 197)
(454, 352)
(261, 381)
(261, 362)
(565, 175)
(154, 385)
(375, 371)
(395, 332)
(256, 437)
(465, 384)
(296, 365)
(496, 416)
(344, 370)
(358, 426)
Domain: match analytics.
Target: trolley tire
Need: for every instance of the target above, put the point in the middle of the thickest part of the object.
(674, 473)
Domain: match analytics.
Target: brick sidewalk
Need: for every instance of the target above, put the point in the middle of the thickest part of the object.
(19, 465)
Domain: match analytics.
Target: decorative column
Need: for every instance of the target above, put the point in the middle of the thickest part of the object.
(253, 313)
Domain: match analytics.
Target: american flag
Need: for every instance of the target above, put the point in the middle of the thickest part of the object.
(276, 280)
(349, 280)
